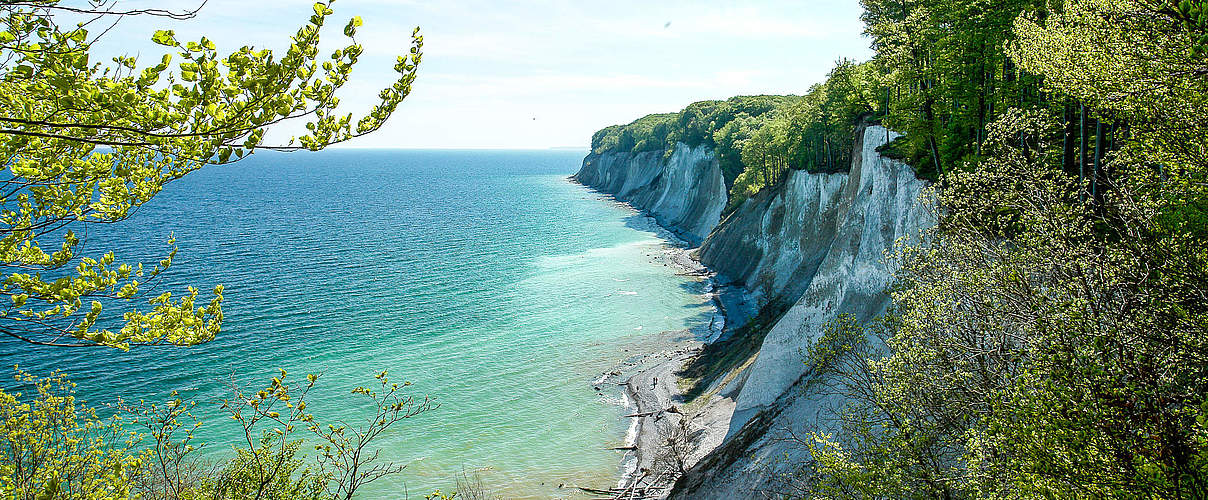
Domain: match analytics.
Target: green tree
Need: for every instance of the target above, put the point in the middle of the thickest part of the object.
(1052, 338)
(53, 445)
(88, 142)
(947, 74)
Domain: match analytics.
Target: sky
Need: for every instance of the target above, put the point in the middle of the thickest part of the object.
(538, 74)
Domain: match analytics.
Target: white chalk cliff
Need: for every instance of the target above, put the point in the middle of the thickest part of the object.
(684, 192)
(814, 246)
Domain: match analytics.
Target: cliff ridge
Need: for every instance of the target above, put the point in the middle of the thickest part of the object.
(805, 251)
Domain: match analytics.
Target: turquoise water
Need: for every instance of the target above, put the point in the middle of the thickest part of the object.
(485, 278)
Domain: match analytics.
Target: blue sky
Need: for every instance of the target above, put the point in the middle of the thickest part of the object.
(543, 73)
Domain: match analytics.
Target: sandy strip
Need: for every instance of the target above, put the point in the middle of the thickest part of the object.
(653, 400)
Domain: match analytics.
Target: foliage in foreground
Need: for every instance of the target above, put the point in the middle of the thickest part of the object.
(1051, 340)
(54, 446)
(86, 143)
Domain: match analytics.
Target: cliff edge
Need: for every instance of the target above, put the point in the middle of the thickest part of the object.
(684, 192)
(803, 252)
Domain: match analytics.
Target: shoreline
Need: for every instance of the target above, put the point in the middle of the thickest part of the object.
(663, 437)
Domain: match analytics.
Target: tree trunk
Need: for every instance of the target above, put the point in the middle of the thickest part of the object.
(1082, 150)
(935, 156)
(1067, 140)
(1098, 158)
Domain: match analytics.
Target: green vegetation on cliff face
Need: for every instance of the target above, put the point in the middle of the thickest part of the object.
(946, 75)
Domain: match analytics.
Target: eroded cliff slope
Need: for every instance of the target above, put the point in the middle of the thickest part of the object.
(685, 192)
(810, 249)
(826, 255)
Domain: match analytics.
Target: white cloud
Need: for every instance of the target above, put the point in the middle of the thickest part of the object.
(491, 67)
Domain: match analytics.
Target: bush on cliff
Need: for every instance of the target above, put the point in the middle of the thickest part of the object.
(695, 125)
(814, 134)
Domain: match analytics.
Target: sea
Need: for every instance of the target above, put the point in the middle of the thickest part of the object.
(488, 280)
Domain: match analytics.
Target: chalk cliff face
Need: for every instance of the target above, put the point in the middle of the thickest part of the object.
(819, 242)
(685, 192)
(816, 245)
(772, 245)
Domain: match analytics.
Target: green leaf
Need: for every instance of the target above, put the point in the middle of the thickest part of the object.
(353, 24)
(166, 38)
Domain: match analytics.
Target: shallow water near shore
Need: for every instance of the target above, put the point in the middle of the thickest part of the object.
(485, 278)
